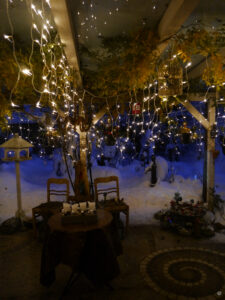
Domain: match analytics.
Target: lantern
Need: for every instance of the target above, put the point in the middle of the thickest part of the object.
(170, 78)
(136, 108)
(17, 149)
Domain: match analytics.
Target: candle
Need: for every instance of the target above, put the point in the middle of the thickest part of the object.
(83, 206)
(75, 208)
(66, 208)
(91, 206)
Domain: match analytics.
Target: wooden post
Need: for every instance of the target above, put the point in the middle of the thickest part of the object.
(209, 165)
(209, 161)
(19, 213)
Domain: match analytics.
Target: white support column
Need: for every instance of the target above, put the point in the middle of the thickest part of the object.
(209, 163)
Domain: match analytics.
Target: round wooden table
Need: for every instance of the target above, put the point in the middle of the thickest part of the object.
(104, 218)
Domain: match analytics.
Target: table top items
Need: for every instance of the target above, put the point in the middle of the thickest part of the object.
(83, 212)
(104, 218)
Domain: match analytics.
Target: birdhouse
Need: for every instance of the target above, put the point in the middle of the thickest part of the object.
(16, 149)
(170, 78)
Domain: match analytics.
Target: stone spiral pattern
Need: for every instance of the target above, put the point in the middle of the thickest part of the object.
(186, 273)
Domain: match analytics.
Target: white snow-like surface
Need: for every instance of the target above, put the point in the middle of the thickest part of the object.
(142, 199)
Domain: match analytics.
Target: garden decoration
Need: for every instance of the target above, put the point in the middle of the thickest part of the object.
(170, 77)
(185, 218)
(153, 169)
(17, 149)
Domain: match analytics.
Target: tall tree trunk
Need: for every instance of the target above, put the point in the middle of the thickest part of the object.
(81, 174)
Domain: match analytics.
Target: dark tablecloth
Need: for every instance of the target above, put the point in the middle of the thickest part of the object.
(93, 253)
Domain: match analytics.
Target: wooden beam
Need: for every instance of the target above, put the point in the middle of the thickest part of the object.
(196, 114)
(195, 97)
(62, 20)
(197, 70)
(102, 112)
(174, 17)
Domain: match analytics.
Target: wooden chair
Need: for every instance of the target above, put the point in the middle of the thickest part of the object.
(61, 181)
(115, 206)
(50, 207)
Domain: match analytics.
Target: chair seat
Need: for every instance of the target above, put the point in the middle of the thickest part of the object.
(45, 210)
(116, 207)
(53, 206)
(113, 205)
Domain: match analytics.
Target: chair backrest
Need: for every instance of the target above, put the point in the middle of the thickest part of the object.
(62, 192)
(114, 187)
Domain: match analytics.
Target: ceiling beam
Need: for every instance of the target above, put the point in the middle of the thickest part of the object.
(63, 23)
(196, 114)
(174, 17)
(199, 68)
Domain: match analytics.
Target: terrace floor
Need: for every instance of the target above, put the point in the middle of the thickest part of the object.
(140, 277)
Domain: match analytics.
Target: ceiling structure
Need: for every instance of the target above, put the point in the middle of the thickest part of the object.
(84, 22)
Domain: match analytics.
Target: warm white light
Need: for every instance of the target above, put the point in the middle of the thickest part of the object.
(39, 12)
(44, 37)
(188, 65)
(48, 2)
(27, 72)
(33, 8)
(7, 37)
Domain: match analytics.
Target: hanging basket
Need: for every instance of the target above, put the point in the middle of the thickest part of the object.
(170, 78)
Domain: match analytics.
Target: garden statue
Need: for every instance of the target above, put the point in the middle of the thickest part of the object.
(153, 168)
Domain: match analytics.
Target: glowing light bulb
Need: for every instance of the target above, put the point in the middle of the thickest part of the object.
(27, 72)
(48, 2)
(7, 37)
(188, 65)
(39, 12)
(33, 7)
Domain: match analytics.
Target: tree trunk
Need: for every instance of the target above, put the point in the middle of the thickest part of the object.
(81, 175)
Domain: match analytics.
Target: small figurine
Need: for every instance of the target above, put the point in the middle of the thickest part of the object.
(153, 168)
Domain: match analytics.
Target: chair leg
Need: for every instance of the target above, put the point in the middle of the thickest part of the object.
(127, 220)
(73, 277)
(34, 223)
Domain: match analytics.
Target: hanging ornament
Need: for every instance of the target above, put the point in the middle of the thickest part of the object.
(136, 108)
